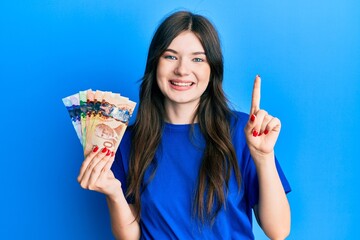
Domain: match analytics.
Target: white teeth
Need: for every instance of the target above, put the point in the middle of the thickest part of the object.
(181, 84)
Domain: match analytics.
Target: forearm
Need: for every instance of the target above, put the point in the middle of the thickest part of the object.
(123, 223)
(273, 207)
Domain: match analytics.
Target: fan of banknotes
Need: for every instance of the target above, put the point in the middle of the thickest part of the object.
(99, 118)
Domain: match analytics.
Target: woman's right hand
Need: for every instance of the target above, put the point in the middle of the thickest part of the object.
(95, 173)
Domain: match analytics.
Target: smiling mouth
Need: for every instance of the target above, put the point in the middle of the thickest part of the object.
(182, 84)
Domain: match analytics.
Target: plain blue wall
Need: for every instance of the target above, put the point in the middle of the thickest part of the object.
(307, 52)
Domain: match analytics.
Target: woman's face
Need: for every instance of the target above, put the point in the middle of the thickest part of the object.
(183, 72)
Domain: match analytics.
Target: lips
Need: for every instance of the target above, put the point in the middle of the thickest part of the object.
(181, 83)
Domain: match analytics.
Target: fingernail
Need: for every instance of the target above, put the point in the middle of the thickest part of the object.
(252, 118)
(95, 149)
(258, 75)
(260, 134)
(108, 153)
(255, 133)
(104, 150)
(112, 154)
(266, 131)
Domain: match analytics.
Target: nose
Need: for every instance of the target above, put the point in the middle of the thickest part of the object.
(182, 68)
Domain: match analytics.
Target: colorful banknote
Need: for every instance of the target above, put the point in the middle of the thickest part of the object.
(99, 118)
(72, 104)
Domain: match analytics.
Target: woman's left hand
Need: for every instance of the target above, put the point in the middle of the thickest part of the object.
(262, 129)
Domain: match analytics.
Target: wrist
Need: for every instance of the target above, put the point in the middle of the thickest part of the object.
(264, 159)
(116, 196)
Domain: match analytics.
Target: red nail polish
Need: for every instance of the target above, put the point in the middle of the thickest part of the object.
(266, 131)
(260, 134)
(112, 154)
(104, 150)
(255, 133)
(108, 153)
(95, 149)
(252, 118)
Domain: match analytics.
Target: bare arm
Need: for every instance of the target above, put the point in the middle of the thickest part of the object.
(273, 210)
(123, 223)
(262, 131)
(95, 174)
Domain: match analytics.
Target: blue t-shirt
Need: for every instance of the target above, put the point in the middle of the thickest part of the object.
(167, 201)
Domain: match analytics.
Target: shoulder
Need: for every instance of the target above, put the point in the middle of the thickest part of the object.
(125, 141)
(238, 119)
(123, 150)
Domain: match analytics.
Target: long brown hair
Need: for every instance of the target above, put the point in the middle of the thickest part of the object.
(219, 159)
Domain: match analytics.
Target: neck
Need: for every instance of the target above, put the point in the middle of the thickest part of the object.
(180, 113)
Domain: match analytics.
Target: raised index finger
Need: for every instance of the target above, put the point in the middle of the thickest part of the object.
(255, 102)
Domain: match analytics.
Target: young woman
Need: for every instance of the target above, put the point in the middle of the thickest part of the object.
(190, 167)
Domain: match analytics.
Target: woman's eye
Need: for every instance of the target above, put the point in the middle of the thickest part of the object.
(198, 60)
(170, 57)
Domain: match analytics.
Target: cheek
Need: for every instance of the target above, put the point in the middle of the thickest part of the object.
(206, 75)
(158, 70)
(160, 79)
(161, 72)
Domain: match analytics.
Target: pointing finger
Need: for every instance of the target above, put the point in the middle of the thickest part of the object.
(255, 102)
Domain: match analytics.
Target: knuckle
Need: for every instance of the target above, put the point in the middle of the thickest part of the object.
(279, 122)
(95, 170)
(263, 112)
(98, 186)
(276, 120)
(268, 117)
(89, 165)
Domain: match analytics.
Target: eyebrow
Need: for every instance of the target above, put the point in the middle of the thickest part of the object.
(194, 53)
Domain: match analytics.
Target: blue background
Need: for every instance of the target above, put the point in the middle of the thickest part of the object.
(307, 52)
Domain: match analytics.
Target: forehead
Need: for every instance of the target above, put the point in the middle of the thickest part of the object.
(186, 41)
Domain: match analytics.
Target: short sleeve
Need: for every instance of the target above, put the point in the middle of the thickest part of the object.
(252, 182)
(120, 166)
(118, 170)
(246, 163)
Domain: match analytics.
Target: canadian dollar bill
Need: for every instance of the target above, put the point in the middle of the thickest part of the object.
(72, 104)
(102, 118)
